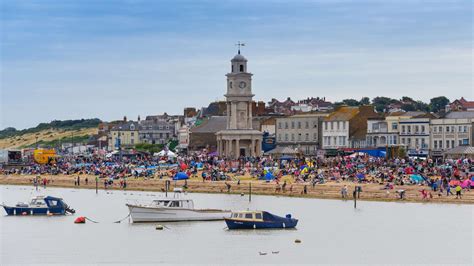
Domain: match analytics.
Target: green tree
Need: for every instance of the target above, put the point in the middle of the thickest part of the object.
(351, 102)
(381, 103)
(364, 101)
(438, 103)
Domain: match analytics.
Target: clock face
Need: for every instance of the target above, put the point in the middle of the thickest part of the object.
(242, 84)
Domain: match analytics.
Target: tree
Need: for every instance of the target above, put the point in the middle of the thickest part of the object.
(421, 106)
(364, 101)
(408, 107)
(438, 103)
(381, 103)
(351, 102)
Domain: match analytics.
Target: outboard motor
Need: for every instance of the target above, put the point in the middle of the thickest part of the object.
(68, 209)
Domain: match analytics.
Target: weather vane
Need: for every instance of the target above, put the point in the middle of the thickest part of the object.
(240, 44)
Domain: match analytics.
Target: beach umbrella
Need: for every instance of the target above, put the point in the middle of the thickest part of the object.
(360, 176)
(183, 166)
(180, 176)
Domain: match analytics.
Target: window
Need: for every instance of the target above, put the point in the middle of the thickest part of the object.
(306, 137)
(279, 137)
(447, 129)
(409, 129)
(403, 129)
(337, 125)
(315, 136)
(132, 141)
(286, 125)
(241, 68)
(436, 144)
(435, 129)
(232, 68)
(258, 216)
(132, 133)
(447, 144)
(248, 216)
(279, 125)
(332, 126)
(329, 140)
(403, 140)
(465, 129)
(452, 143)
(325, 125)
(452, 129)
(422, 129)
(299, 137)
(465, 141)
(292, 137)
(440, 129)
(344, 125)
(460, 129)
(416, 129)
(299, 124)
(292, 124)
(286, 137)
(306, 124)
(394, 126)
(440, 144)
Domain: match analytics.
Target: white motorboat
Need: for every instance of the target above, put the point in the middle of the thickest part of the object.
(173, 210)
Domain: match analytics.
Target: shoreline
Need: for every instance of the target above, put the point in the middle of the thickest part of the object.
(329, 190)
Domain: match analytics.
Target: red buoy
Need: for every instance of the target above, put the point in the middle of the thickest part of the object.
(80, 220)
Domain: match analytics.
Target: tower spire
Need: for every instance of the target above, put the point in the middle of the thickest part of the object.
(239, 44)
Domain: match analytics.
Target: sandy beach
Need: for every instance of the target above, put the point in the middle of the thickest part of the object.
(329, 190)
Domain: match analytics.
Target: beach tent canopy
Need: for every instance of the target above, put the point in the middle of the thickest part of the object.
(162, 153)
(269, 176)
(180, 176)
(460, 151)
(417, 178)
(360, 176)
(282, 151)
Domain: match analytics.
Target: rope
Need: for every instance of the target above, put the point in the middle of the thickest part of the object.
(121, 220)
(91, 220)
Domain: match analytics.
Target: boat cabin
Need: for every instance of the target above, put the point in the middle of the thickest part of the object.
(247, 216)
(173, 203)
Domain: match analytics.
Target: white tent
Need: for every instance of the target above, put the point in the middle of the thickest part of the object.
(162, 153)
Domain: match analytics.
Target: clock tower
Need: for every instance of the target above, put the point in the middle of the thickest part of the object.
(239, 138)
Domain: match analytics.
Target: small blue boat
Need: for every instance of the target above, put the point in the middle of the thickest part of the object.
(40, 205)
(259, 220)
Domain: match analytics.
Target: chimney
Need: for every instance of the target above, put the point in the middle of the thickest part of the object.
(124, 118)
(138, 118)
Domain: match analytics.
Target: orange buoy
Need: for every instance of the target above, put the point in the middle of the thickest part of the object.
(24, 213)
(80, 220)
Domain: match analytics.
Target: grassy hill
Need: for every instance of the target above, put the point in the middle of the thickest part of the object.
(49, 134)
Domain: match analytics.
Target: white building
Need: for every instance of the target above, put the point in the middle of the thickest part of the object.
(415, 134)
(455, 129)
(302, 131)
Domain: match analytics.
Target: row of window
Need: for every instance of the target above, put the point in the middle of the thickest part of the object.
(451, 129)
(334, 141)
(419, 142)
(299, 137)
(297, 124)
(335, 125)
(414, 128)
(438, 144)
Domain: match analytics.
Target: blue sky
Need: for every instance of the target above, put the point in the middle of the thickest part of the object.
(81, 59)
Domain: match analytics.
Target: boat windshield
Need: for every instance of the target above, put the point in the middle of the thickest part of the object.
(161, 202)
(37, 202)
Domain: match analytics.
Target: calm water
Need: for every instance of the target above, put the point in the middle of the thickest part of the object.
(331, 232)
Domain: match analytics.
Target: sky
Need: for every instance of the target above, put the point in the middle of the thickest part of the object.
(64, 59)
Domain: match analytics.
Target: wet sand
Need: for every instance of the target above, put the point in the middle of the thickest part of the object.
(329, 190)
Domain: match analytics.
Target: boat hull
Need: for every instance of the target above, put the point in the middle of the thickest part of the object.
(239, 224)
(142, 214)
(33, 211)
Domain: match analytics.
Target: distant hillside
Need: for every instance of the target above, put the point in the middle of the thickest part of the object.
(49, 134)
(55, 124)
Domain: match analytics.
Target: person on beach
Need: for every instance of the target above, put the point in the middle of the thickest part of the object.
(458, 191)
(228, 186)
(344, 192)
(45, 182)
(35, 182)
(87, 181)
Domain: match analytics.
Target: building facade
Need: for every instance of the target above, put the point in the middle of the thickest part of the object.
(346, 127)
(239, 138)
(456, 129)
(124, 135)
(415, 135)
(156, 132)
(302, 131)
